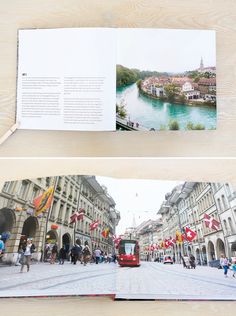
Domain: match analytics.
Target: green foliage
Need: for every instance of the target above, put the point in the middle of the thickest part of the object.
(173, 125)
(121, 110)
(191, 126)
(125, 76)
(139, 83)
(171, 91)
(182, 98)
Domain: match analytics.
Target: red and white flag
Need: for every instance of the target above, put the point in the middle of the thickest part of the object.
(172, 241)
(167, 243)
(211, 222)
(74, 217)
(190, 234)
(81, 214)
(94, 225)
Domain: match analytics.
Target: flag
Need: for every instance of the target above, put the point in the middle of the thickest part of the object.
(76, 216)
(162, 244)
(167, 243)
(172, 241)
(179, 237)
(190, 234)
(81, 214)
(105, 232)
(211, 222)
(44, 201)
(94, 225)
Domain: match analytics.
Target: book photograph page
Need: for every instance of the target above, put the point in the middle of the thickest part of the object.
(126, 238)
(166, 79)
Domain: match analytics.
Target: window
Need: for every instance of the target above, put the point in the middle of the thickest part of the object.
(230, 225)
(35, 193)
(8, 186)
(225, 226)
(224, 202)
(23, 189)
(219, 205)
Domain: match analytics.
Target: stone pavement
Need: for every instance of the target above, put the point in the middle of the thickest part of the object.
(149, 281)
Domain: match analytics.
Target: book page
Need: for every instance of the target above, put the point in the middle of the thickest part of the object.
(166, 80)
(66, 79)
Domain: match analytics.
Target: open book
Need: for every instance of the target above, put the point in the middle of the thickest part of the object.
(103, 79)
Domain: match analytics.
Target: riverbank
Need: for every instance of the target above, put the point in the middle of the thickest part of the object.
(190, 103)
(157, 114)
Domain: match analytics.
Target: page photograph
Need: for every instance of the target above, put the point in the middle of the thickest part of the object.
(125, 238)
(166, 80)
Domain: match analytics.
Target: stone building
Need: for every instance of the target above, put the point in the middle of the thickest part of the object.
(18, 221)
(185, 207)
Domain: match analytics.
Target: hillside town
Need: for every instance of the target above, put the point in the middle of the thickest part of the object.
(199, 86)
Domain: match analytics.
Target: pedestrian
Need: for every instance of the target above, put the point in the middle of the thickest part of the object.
(62, 255)
(225, 266)
(86, 254)
(54, 253)
(76, 253)
(233, 267)
(192, 261)
(46, 252)
(2, 246)
(97, 253)
(19, 255)
(221, 261)
(28, 249)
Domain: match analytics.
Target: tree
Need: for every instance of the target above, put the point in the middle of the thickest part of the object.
(139, 84)
(171, 91)
(182, 98)
(121, 110)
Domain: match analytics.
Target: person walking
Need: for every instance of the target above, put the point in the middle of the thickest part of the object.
(28, 249)
(86, 254)
(97, 255)
(233, 267)
(54, 253)
(225, 266)
(62, 255)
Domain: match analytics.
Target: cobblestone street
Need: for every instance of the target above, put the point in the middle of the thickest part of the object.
(149, 281)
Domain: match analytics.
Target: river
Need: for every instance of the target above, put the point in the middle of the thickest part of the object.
(152, 113)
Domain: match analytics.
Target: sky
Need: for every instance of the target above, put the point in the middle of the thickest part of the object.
(165, 49)
(139, 198)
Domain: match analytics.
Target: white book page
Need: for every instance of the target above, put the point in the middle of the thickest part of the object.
(67, 79)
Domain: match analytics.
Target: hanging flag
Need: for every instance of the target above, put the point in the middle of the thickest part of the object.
(74, 217)
(44, 201)
(162, 244)
(190, 234)
(179, 237)
(105, 232)
(211, 222)
(94, 225)
(172, 241)
(167, 243)
(81, 214)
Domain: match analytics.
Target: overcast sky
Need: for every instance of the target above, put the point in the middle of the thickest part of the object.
(165, 49)
(139, 198)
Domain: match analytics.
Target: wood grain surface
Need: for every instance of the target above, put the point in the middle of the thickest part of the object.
(107, 307)
(219, 15)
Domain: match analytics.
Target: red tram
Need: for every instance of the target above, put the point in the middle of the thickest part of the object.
(128, 253)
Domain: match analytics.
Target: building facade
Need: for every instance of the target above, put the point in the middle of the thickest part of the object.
(185, 207)
(18, 221)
